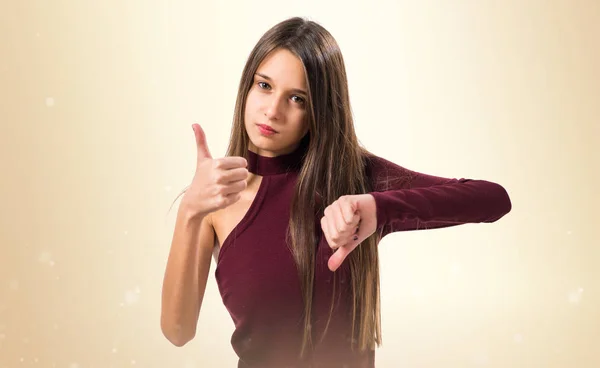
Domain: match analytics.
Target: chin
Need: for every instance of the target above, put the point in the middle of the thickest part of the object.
(260, 143)
(265, 146)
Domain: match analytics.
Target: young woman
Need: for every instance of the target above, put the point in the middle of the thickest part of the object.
(295, 211)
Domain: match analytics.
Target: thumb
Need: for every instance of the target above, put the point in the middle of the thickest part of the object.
(337, 258)
(201, 146)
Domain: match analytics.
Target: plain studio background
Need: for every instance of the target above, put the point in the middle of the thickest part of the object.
(96, 103)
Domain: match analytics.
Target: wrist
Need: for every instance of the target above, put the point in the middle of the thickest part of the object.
(190, 214)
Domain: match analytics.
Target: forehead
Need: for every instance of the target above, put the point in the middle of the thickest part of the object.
(284, 68)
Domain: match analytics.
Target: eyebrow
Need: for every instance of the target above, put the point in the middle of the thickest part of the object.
(297, 90)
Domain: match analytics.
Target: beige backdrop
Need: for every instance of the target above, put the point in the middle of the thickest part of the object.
(96, 103)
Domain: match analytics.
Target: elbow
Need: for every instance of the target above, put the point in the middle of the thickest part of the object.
(176, 335)
(506, 204)
(502, 203)
(178, 340)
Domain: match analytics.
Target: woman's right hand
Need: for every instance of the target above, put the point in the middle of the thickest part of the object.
(217, 183)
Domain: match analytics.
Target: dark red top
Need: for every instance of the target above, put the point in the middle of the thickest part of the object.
(257, 277)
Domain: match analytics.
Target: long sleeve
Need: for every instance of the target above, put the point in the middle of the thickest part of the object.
(408, 200)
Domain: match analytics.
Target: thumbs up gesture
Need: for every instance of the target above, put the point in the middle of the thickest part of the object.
(217, 183)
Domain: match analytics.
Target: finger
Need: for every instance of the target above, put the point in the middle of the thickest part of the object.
(350, 207)
(338, 218)
(345, 219)
(337, 258)
(327, 232)
(203, 152)
(331, 231)
(234, 197)
(337, 237)
(351, 213)
(230, 162)
(353, 242)
(234, 187)
(233, 175)
(230, 199)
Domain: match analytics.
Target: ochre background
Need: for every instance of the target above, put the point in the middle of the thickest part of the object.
(96, 103)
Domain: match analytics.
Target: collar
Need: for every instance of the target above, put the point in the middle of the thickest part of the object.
(290, 162)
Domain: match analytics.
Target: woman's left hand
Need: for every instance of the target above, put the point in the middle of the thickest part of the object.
(347, 222)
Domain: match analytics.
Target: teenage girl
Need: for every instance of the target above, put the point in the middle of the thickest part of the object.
(294, 212)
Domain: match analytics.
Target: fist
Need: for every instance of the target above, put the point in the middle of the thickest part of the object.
(217, 183)
(346, 223)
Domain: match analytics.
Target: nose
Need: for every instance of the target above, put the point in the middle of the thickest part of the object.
(274, 108)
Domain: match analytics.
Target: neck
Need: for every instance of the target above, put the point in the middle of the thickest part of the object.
(259, 164)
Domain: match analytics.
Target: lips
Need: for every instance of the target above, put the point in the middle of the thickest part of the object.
(266, 127)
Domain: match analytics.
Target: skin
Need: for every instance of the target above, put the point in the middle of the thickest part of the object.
(278, 99)
(272, 101)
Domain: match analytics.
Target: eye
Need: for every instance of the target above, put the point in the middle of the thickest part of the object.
(261, 83)
(299, 99)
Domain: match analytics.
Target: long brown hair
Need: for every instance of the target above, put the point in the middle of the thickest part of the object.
(334, 165)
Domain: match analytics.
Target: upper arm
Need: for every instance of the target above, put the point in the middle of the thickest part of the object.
(206, 240)
(387, 175)
(206, 243)
(185, 278)
(215, 240)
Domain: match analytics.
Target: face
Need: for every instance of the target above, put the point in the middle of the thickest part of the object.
(277, 100)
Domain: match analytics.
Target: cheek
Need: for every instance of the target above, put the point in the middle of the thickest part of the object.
(252, 101)
(249, 108)
(302, 123)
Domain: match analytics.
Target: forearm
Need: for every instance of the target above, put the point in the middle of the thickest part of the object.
(456, 202)
(184, 280)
